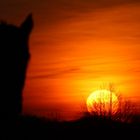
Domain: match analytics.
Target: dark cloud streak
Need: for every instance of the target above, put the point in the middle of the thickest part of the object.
(55, 74)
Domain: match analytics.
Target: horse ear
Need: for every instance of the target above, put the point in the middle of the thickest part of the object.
(27, 25)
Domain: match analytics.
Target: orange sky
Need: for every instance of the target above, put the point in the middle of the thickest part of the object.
(76, 47)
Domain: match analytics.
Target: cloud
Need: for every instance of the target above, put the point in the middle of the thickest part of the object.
(49, 12)
(55, 74)
(54, 12)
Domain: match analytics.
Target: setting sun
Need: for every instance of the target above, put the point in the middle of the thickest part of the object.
(102, 101)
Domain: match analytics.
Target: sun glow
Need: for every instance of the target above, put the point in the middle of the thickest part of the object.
(102, 101)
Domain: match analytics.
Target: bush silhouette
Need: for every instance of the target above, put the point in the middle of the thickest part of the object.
(14, 59)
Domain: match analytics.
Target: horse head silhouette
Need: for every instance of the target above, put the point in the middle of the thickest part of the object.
(14, 59)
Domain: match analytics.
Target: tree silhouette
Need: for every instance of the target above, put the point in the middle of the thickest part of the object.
(122, 110)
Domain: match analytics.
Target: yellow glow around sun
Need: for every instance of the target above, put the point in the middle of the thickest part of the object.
(102, 101)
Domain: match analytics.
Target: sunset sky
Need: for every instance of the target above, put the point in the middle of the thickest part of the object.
(77, 46)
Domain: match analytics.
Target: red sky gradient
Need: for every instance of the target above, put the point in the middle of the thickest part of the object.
(76, 47)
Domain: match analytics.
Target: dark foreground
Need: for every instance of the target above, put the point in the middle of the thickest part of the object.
(27, 127)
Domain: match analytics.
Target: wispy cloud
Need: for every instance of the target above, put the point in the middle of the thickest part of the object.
(55, 74)
(49, 11)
